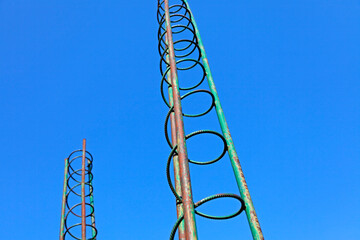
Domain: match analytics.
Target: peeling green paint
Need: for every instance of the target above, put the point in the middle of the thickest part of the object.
(239, 175)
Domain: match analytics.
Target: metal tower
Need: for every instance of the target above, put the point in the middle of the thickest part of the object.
(77, 213)
(181, 49)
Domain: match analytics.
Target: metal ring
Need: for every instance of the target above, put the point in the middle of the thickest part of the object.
(79, 224)
(208, 132)
(222, 195)
(187, 115)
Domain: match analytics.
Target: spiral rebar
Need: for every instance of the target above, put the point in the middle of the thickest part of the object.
(179, 51)
(78, 215)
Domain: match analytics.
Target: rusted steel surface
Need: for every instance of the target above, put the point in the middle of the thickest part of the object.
(176, 20)
(78, 204)
(83, 201)
(188, 205)
(239, 174)
(179, 208)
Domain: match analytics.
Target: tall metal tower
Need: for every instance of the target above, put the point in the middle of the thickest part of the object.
(77, 213)
(181, 49)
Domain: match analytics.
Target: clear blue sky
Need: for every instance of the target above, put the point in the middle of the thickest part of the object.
(287, 74)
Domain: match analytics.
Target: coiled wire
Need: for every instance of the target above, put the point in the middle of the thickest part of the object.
(188, 58)
(73, 197)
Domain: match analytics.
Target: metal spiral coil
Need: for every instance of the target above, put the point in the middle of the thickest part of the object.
(73, 225)
(188, 58)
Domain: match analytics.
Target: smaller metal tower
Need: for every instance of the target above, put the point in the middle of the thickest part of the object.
(77, 213)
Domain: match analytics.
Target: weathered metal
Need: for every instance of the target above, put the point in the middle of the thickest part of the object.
(239, 175)
(177, 20)
(93, 230)
(179, 208)
(207, 199)
(83, 201)
(187, 201)
(75, 188)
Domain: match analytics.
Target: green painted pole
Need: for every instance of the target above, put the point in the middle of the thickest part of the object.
(239, 175)
(62, 221)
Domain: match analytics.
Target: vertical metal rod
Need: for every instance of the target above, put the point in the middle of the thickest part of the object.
(83, 204)
(188, 204)
(239, 175)
(62, 222)
(179, 208)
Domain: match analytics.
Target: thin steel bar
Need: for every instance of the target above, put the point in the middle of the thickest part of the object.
(239, 175)
(179, 208)
(188, 204)
(83, 203)
(62, 222)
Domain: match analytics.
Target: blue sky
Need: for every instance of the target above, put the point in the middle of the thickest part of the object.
(287, 73)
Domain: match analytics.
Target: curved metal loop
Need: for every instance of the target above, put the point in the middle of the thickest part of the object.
(224, 195)
(176, 29)
(187, 56)
(73, 184)
(160, 16)
(208, 132)
(77, 215)
(79, 224)
(71, 160)
(71, 188)
(163, 48)
(87, 173)
(179, 51)
(171, 109)
(212, 105)
(172, 153)
(76, 151)
(210, 198)
(164, 75)
(195, 62)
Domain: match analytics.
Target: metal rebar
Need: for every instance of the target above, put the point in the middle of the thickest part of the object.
(79, 201)
(187, 48)
(188, 204)
(179, 208)
(83, 202)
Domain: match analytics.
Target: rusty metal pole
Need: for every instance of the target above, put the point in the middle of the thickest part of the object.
(83, 203)
(62, 222)
(187, 200)
(179, 208)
